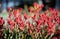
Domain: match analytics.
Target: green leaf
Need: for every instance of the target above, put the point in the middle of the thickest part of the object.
(59, 15)
(28, 37)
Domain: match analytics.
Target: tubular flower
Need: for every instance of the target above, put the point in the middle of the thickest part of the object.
(31, 27)
(21, 26)
(31, 9)
(35, 5)
(12, 24)
(15, 13)
(1, 21)
(20, 9)
(32, 23)
(10, 15)
(26, 16)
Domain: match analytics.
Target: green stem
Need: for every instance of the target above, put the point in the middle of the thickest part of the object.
(19, 35)
(16, 36)
(11, 37)
(51, 36)
(5, 36)
(46, 36)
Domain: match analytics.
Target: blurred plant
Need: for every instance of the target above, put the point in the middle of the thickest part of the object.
(1, 25)
(31, 25)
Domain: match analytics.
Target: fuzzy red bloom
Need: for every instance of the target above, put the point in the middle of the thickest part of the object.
(15, 13)
(38, 30)
(1, 21)
(20, 9)
(10, 15)
(26, 16)
(35, 16)
(18, 19)
(21, 26)
(38, 27)
(35, 4)
(30, 31)
(8, 9)
(45, 23)
(39, 22)
(55, 13)
(50, 9)
(42, 16)
(12, 27)
(0, 32)
(51, 29)
(38, 9)
(31, 27)
(27, 23)
(12, 24)
(20, 22)
(1, 24)
(31, 9)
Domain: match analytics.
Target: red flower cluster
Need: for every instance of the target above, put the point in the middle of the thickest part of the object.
(1, 24)
(12, 24)
(1, 21)
(49, 19)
